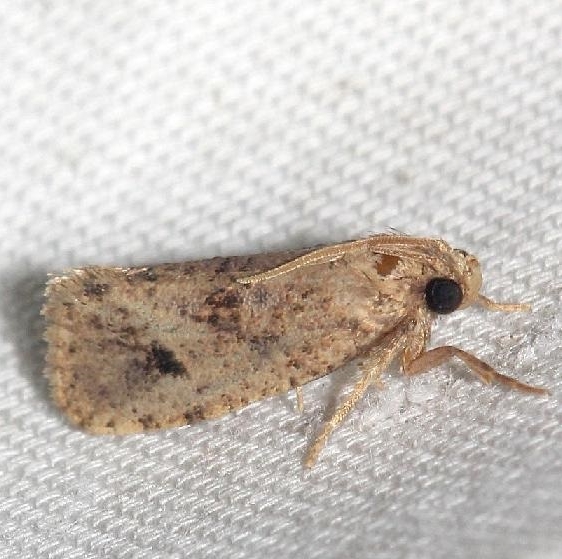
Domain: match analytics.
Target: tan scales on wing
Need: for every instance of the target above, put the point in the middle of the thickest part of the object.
(146, 348)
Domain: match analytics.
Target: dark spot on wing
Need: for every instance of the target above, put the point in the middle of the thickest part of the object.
(97, 290)
(188, 268)
(145, 274)
(262, 344)
(221, 310)
(194, 414)
(223, 298)
(248, 264)
(165, 360)
(149, 275)
(148, 422)
(225, 265)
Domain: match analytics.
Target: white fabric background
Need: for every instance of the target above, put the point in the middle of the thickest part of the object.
(139, 132)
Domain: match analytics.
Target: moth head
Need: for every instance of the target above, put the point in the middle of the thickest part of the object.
(471, 277)
(444, 295)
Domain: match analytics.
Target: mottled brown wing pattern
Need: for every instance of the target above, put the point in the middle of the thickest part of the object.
(147, 348)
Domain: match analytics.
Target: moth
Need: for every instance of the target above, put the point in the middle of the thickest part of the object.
(136, 349)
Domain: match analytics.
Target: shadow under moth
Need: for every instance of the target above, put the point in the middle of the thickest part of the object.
(136, 349)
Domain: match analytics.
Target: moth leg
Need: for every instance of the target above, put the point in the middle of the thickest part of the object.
(378, 361)
(439, 355)
(337, 418)
(300, 399)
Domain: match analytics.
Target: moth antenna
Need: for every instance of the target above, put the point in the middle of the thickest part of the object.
(503, 307)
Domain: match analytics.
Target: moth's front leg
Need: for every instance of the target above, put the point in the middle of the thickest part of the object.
(435, 357)
(374, 365)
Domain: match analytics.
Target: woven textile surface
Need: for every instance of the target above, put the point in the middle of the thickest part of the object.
(139, 132)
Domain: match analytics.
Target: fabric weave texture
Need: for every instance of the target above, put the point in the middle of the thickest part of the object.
(139, 132)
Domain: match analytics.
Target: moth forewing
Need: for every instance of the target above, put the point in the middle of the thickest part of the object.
(142, 348)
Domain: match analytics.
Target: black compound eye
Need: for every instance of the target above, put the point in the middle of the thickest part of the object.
(443, 295)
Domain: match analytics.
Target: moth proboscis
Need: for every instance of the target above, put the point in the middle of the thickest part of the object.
(136, 349)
